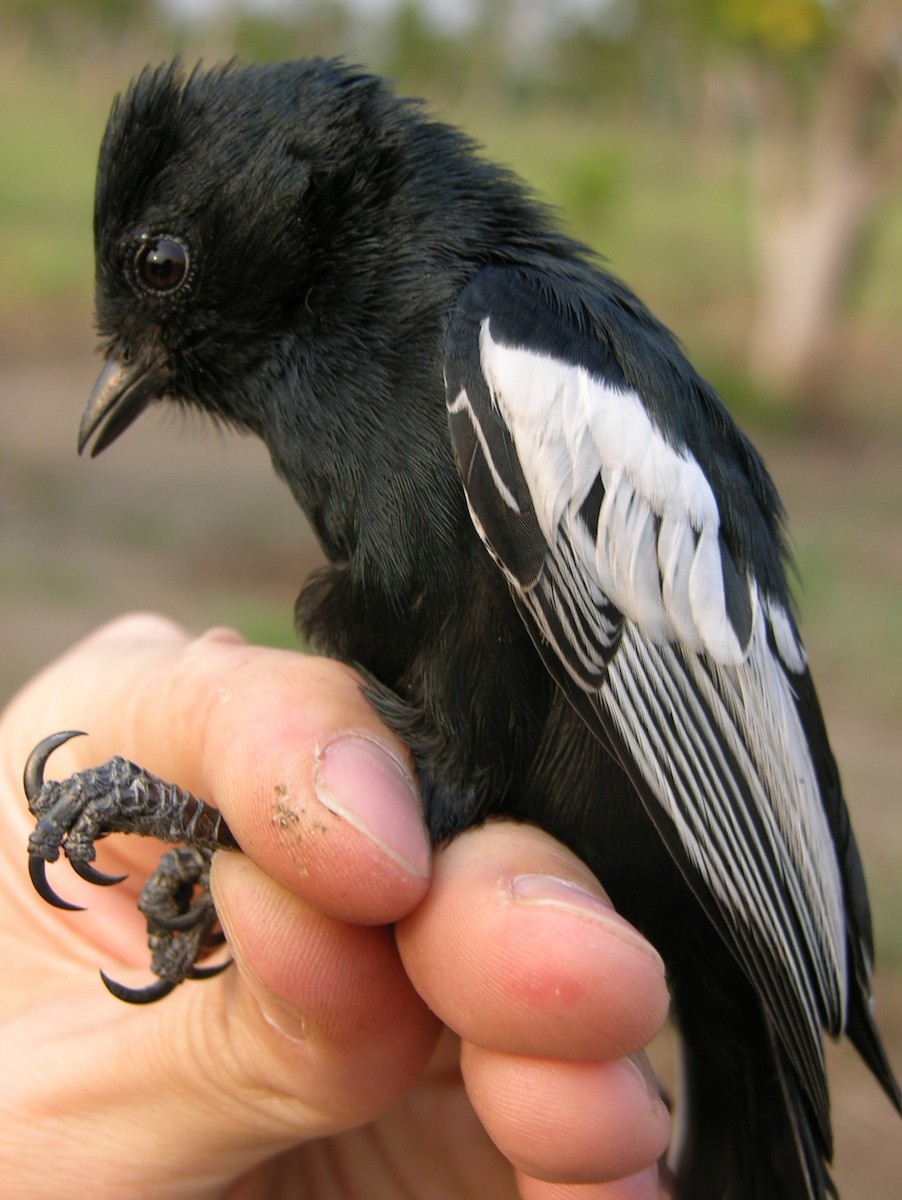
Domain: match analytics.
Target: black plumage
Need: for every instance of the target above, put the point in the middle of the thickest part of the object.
(438, 372)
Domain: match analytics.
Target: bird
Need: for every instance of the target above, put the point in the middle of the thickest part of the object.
(557, 562)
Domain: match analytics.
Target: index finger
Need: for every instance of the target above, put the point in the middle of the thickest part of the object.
(313, 785)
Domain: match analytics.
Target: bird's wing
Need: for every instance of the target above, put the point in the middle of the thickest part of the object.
(613, 542)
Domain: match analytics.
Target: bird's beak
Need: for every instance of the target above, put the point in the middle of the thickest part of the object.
(122, 391)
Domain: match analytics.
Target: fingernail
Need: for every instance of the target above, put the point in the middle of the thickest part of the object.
(360, 780)
(644, 1186)
(643, 1072)
(554, 892)
(278, 1014)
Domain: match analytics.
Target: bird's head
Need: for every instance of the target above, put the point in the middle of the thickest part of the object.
(223, 201)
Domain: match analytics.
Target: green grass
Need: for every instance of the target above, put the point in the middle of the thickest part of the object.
(262, 622)
(48, 151)
(877, 294)
(843, 593)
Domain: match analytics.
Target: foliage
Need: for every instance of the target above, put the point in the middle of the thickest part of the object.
(774, 27)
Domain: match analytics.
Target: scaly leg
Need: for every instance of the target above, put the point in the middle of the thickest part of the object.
(121, 797)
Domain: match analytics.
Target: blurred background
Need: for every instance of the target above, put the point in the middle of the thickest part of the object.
(738, 162)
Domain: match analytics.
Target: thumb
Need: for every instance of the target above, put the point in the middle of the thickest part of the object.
(222, 1075)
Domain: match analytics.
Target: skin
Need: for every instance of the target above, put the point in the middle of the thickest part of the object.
(461, 1027)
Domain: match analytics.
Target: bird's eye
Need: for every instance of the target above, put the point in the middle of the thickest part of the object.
(161, 263)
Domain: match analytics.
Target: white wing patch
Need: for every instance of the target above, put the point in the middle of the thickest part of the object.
(710, 722)
(656, 554)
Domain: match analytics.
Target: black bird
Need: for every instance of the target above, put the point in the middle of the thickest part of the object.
(557, 560)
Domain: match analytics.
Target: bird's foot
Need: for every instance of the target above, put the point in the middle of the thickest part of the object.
(121, 797)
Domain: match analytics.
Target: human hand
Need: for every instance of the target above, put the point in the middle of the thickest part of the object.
(325, 1064)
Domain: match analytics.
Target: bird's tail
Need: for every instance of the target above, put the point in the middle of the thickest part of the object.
(745, 1129)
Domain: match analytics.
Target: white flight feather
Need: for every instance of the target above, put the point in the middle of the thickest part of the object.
(707, 602)
(756, 875)
(462, 404)
(676, 547)
(788, 645)
(626, 554)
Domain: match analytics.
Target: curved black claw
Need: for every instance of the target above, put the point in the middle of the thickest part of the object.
(33, 777)
(37, 870)
(145, 995)
(209, 972)
(92, 875)
(120, 797)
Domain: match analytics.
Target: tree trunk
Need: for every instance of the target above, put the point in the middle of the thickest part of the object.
(806, 245)
(826, 158)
